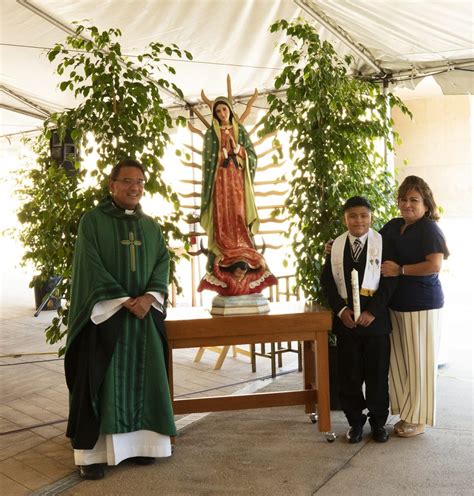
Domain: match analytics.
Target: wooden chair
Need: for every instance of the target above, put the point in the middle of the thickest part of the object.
(275, 354)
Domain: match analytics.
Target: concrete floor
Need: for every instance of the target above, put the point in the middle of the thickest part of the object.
(272, 451)
(34, 453)
(269, 451)
(278, 452)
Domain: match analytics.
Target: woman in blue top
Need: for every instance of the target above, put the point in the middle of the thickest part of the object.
(415, 306)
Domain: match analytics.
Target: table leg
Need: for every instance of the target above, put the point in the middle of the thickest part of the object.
(322, 378)
(309, 372)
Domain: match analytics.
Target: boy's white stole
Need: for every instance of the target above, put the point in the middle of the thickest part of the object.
(371, 280)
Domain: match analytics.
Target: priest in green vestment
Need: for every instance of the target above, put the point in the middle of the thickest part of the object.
(116, 351)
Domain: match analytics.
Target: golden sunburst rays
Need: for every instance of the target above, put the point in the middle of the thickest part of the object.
(243, 117)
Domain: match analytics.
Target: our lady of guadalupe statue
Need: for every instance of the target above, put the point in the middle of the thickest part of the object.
(228, 211)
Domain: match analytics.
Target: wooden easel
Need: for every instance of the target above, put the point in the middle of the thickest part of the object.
(222, 350)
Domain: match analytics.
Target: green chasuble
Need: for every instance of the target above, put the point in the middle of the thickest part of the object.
(116, 371)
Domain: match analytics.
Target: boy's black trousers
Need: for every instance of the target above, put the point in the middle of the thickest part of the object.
(363, 359)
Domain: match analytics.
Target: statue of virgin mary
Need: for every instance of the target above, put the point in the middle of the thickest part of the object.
(228, 211)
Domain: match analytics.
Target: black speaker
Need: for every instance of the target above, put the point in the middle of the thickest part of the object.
(63, 152)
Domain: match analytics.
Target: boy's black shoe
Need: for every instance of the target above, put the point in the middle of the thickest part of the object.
(143, 460)
(379, 434)
(91, 472)
(354, 434)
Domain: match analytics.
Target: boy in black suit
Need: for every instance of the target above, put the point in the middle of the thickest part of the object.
(363, 345)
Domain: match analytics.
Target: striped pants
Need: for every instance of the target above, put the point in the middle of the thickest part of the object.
(413, 365)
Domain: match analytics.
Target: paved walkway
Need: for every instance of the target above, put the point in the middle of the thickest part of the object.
(35, 456)
(34, 451)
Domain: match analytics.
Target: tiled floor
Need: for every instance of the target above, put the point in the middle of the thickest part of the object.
(34, 452)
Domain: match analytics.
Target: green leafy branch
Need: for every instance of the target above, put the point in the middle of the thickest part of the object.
(120, 113)
(337, 125)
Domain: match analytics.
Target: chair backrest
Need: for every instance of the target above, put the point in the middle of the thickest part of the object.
(285, 290)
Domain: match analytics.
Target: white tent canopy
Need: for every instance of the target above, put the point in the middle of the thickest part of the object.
(397, 41)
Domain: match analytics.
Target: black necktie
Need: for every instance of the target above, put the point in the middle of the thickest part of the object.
(356, 249)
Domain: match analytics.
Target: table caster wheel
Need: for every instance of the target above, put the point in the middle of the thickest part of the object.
(313, 417)
(330, 437)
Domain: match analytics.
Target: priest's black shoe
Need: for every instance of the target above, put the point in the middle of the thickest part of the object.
(379, 434)
(354, 434)
(143, 460)
(92, 472)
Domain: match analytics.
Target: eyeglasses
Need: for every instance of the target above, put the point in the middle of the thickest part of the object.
(129, 182)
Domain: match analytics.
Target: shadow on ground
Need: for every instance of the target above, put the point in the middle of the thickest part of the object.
(279, 451)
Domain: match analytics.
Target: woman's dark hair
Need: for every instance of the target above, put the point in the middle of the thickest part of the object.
(219, 102)
(128, 162)
(418, 184)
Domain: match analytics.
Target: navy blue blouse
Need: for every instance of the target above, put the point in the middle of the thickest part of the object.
(422, 238)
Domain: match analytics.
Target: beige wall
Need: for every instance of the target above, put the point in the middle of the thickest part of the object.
(438, 145)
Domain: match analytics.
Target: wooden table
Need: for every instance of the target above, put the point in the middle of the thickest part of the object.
(292, 321)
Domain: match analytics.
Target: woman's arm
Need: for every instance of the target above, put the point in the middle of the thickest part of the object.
(432, 265)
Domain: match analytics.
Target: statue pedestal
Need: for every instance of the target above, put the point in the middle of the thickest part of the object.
(236, 305)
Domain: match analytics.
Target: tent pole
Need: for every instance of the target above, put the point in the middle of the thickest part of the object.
(36, 10)
(24, 100)
(17, 110)
(64, 27)
(340, 34)
(432, 71)
(388, 156)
